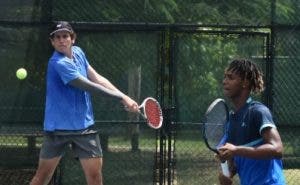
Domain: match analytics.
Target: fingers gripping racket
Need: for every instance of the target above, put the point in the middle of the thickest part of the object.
(151, 111)
(214, 128)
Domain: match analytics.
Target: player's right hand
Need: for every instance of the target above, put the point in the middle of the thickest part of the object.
(130, 104)
(227, 151)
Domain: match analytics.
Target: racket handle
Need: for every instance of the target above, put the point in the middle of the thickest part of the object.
(142, 114)
(139, 112)
(225, 169)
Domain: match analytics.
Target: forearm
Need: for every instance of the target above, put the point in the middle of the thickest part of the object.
(261, 152)
(271, 148)
(98, 79)
(94, 88)
(104, 82)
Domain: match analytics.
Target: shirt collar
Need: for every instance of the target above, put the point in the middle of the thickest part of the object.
(249, 100)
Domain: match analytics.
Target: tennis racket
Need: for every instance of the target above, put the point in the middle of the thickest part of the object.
(151, 111)
(214, 129)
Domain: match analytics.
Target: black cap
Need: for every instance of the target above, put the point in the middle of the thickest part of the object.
(61, 26)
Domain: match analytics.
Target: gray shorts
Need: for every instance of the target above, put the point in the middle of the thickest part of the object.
(83, 146)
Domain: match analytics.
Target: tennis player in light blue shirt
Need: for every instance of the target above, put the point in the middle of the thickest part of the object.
(253, 147)
(69, 115)
(67, 107)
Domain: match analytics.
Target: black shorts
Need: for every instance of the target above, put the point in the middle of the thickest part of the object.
(83, 146)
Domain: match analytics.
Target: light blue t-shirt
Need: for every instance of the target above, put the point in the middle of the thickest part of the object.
(245, 128)
(67, 108)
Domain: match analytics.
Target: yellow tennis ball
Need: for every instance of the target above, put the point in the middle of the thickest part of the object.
(21, 74)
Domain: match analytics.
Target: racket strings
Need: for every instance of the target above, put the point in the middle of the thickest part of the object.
(217, 115)
(214, 134)
(153, 113)
(216, 119)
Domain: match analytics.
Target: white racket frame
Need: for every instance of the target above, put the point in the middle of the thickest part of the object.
(142, 106)
(224, 164)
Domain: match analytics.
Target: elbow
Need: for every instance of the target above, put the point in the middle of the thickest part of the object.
(278, 153)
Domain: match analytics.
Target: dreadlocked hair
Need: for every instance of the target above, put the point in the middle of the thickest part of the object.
(248, 70)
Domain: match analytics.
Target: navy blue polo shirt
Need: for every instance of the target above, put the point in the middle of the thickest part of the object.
(245, 128)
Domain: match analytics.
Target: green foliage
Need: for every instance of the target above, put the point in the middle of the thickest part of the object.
(287, 11)
(238, 12)
(199, 62)
(201, 58)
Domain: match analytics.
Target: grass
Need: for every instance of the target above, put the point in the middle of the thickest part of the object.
(292, 176)
(194, 163)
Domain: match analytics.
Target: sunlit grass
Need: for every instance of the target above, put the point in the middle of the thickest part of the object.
(195, 164)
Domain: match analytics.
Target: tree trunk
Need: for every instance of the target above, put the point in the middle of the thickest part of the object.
(134, 91)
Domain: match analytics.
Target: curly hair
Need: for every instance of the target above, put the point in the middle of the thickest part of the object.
(248, 70)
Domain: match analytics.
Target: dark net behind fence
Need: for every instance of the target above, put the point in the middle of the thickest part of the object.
(172, 50)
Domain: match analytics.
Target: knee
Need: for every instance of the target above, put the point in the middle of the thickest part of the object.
(95, 177)
(40, 179)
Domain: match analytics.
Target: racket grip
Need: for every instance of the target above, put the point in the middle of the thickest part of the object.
(142, 114)
(225, 169)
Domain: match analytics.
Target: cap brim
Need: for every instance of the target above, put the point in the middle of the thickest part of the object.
(62, 29)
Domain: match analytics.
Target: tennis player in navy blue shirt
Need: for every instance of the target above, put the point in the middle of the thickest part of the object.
(69, 115)
(253, 146)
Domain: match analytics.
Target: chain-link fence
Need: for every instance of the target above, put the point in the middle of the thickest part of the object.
(173, 50)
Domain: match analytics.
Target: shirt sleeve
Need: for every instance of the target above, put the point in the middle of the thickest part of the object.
(67, 70)
(263, 118)
(78, 51)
